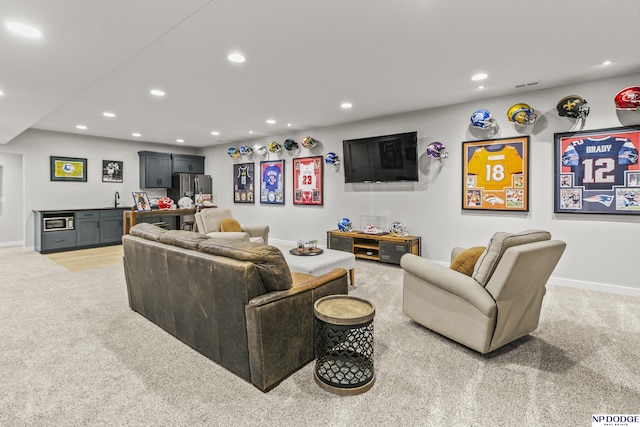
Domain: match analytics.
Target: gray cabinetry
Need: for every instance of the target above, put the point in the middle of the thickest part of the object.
(183, 163)
(110, 226)
(87, 228)
(57, 240)
(340, 243)
(155, 169)
(391, 252)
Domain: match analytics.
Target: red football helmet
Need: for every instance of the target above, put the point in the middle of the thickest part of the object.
(628, 98)
(165, 203)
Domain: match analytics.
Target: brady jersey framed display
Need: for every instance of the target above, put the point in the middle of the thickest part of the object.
(597, 171)
(496, 174)
(307, 180)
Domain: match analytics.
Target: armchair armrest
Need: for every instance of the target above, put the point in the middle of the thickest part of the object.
(449, 281)
(257, 231)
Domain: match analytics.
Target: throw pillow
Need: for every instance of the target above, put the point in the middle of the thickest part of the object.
(230, 225)
(466, 260)
(499, 243)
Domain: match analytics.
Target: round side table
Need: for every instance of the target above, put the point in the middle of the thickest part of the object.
(344, 344)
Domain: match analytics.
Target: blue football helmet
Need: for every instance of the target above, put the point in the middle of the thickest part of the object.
(483, 119)
(245, 150)
(345, 225)
(332, 159)
(233, 153)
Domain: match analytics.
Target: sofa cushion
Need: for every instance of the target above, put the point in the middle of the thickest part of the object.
(499, 243)
(466, 260)
(269, 261)
(230, 225)
(147, 231)
(182, 239)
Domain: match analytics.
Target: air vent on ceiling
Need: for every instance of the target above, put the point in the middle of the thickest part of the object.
(526, 85)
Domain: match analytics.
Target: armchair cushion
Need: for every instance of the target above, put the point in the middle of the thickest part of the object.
(269, 261)
(230, 225)
(499, 243)
(466, 260)
(182, 239)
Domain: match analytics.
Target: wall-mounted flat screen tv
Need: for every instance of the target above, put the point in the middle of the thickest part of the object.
(386, 158)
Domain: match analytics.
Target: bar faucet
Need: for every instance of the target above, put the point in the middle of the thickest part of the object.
(117, 199)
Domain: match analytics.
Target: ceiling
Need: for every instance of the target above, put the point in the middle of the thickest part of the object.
(303, 60)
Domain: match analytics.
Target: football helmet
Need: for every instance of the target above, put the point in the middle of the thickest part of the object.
(483, 119)
(308, 142)
(345, 225)
(185, 203)
(332, 159)
(260, 149)
(628, 98)
(290, 144)
(245, 150)
(437, 150)
(275, 147)
(521, 114)
(165, 203)
(398, 229)
(234, 153)
(573, 106)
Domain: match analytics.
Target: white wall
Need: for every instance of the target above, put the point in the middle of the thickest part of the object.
(601, 249)
(43, 194)
(11, 200)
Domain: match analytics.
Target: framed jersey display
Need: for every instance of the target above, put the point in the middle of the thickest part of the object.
(597, 171)
(307, 181)
(272, 182)
(496, 174)
(243, 176)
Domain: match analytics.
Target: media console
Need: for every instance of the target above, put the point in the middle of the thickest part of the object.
(376, 247)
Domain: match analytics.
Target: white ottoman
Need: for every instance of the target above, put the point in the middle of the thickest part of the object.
(323, 263)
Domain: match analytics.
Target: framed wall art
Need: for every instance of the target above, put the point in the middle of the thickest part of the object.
(68, 169)
(496, 174)
(307, 180)
(272, 182)
(243, 176)
(112, 171)
(597, 171)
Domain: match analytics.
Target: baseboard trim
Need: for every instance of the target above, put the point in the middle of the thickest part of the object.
(592, 286)
(6, 244)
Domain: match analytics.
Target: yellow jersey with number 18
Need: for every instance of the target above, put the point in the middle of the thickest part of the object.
(493, 169)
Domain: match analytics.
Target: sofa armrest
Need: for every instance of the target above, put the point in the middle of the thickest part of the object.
(236, 235)
(280, 327)
(449, 281)
(257, 231)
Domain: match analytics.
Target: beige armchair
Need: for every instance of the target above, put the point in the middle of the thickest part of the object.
(499, 303)
(208, 222)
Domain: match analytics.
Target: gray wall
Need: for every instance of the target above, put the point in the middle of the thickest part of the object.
(601, 251)
(600, 248)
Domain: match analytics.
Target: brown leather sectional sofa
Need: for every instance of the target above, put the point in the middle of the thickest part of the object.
(234, 301)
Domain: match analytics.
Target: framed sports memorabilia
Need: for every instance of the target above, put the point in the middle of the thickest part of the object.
(496, 174)
(112, 170)
(272, 182)
(307, 180)
(243, 176)
(597, 171)
(68, 169)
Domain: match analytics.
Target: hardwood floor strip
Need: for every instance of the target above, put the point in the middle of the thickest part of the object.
(85, 259)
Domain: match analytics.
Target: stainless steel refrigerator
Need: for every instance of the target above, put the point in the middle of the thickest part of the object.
(189, 185)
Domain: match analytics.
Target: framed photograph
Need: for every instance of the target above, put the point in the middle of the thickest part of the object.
(307, 180)
(68, 169)
(272, 182)
(141, 200)
(496, 174)
(112, 171)
(597, 171)
(243, 175)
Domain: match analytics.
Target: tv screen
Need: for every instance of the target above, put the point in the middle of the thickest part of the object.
(386, 158)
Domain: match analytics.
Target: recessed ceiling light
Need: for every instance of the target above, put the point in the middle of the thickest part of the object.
(250, 131)
(607, 62)
(480, 87)
(238, 58)
(108, 114)
(289, 124)
(215, 133)
(24, 30)
(1, 93)
(479, 76)
(81, 127)
(271, 122)
(157, 92)
(136, 134)
(179, 140)
(346, 105)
